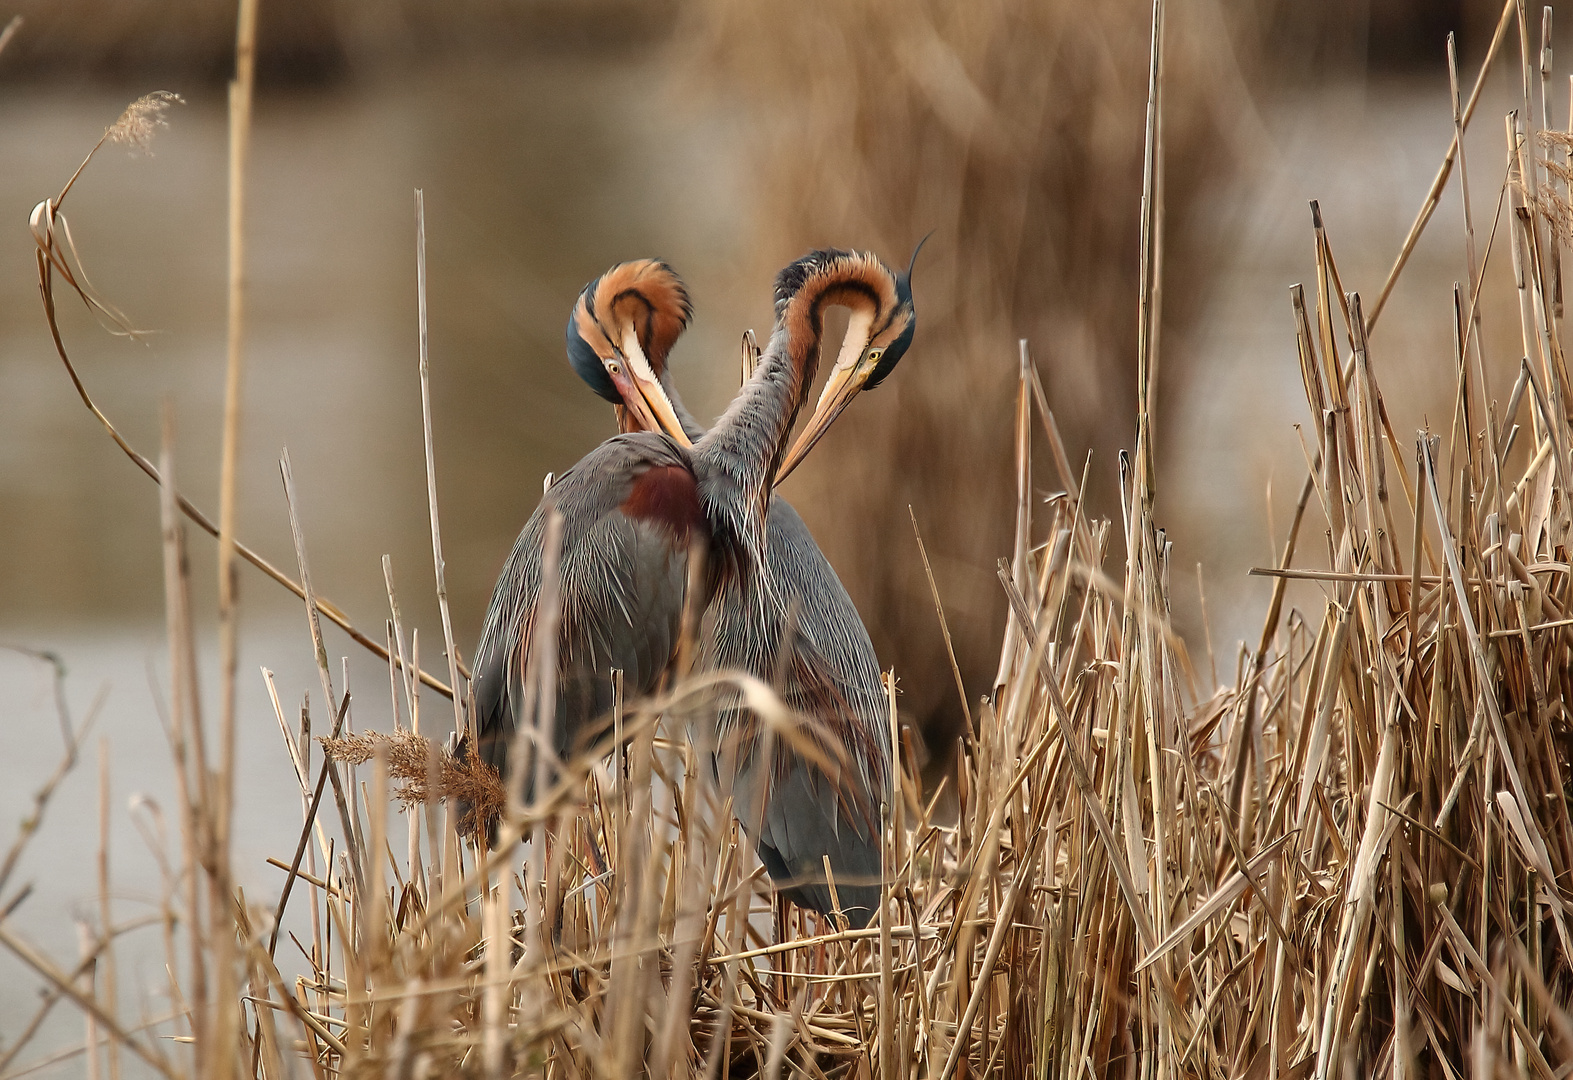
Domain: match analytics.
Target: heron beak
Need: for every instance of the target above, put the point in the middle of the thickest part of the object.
(634, 403)
(650, 392)
(839, 391)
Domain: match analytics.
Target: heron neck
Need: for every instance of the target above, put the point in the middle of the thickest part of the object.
(749, 440)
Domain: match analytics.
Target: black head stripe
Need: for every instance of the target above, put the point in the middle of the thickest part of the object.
(892, 354)
(861, 288)
(644, 326)
(898, 348)
(586, 362)
(792, 278)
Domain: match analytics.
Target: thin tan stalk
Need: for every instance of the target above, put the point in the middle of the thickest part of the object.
(450, 650)
(220, 940)
(1434, 195)
(105, 921)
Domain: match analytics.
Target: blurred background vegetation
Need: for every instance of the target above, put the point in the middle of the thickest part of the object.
(556, 137)
(553, 138)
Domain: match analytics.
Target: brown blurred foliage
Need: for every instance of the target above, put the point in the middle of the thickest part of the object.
(308, 42)
(1013, 129)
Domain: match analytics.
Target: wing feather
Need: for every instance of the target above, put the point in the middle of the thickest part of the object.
(827, 804)
(623, 584)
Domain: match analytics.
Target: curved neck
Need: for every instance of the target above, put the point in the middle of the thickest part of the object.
(750, 438)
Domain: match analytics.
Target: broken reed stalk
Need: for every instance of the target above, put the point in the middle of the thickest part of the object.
(1434, 196)
(56, 255)
(351, 834)
(1349, 859)
(54, 248)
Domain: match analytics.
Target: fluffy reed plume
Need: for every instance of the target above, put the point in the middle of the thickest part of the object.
(1347, 863)
(142, 119)
(57, 253)
(1552, 203)
(426, 775)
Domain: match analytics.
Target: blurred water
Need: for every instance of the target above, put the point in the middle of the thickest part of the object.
(1234, 464)
(537, 176)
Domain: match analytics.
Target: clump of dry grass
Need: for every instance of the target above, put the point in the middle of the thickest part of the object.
(411, 760)
(1350, 861)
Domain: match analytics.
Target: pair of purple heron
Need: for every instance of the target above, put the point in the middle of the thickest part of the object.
(637, 508)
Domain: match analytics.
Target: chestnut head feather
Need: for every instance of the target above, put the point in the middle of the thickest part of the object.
(879, 331)
(620, 332)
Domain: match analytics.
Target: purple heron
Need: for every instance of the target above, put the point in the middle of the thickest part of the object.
(644, 503)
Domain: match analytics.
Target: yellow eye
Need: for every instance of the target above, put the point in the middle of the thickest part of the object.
(612, 366)
(875, 354)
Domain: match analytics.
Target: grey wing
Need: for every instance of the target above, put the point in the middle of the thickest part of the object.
(802, 816)
(627, 580)
(824, 613)
(497, 682)
(622, 586)
(800, 825)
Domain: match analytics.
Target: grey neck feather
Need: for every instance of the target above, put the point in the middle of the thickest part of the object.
(749, 440)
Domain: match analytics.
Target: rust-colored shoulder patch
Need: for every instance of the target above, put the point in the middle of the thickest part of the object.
(668, 496)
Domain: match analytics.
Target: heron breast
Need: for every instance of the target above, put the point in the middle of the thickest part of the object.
(667, 496)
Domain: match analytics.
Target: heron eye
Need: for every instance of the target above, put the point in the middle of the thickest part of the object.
(613, 367)
(875, 354)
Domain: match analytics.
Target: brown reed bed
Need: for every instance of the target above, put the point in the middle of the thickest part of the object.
(1346, 862)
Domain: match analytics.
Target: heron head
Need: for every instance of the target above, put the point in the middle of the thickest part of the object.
(619, 334)
(878, 335)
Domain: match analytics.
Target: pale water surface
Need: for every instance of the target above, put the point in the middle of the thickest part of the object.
(536, 177)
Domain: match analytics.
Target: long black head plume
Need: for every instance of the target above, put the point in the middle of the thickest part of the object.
(581, 354)
(898, 348)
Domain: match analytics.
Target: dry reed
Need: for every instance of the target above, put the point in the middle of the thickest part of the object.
(1347, 862)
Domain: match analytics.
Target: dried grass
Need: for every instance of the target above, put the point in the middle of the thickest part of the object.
(142, 120)
(1347, 862)
(427, 775)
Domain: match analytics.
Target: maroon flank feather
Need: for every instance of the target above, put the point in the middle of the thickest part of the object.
(666, 495)
(841, 739)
